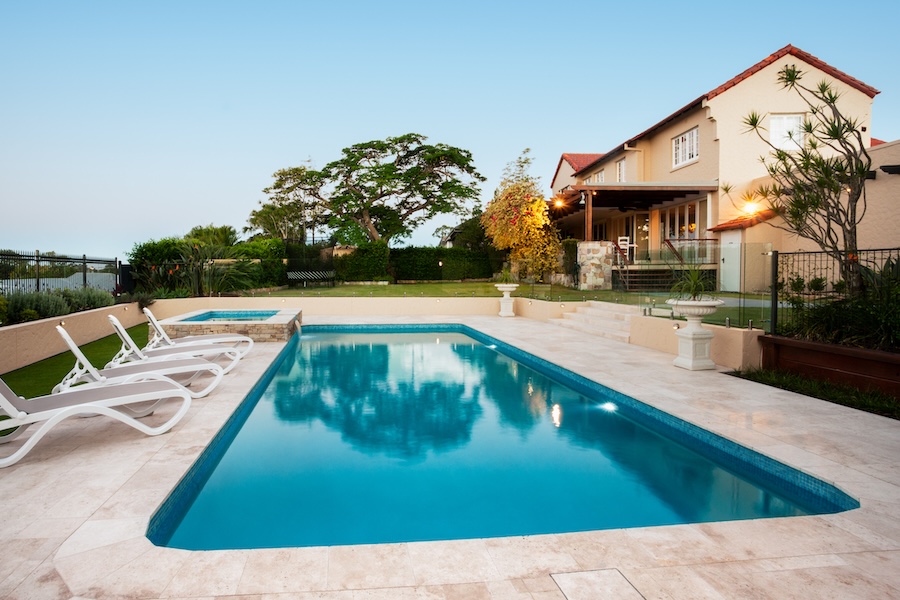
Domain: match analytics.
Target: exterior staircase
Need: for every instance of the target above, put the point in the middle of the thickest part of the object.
(604, 319)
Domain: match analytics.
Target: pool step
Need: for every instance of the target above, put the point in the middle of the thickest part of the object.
(604, 319)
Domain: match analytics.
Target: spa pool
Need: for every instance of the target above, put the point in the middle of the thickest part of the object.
(272, 325)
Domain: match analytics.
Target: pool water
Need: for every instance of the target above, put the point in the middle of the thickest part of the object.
(359, 438)
(232, 315)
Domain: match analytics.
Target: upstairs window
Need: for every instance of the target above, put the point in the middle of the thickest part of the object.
(599, 176)
(786, 131)
(620, 170)
(686, 147)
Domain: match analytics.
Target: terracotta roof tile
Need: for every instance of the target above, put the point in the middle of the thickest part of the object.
(745, 221)
(580, 161)
(876, 142)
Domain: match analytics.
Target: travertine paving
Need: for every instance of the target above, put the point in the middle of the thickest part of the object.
(76, 508)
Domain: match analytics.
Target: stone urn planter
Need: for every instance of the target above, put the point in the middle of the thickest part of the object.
(693, 339)
(506, 302)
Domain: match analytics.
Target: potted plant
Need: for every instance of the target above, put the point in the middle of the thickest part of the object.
(506, 284)
(691, 300)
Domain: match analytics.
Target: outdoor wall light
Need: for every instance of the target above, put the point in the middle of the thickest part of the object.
(676, 326)
(62, 323)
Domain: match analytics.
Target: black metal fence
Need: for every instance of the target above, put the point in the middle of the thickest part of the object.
(39, 272)
(801, 280)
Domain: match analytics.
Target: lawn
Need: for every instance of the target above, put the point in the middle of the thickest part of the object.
(39, 378)
(736, 316)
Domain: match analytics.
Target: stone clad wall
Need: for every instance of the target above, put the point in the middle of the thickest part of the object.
(595, 261)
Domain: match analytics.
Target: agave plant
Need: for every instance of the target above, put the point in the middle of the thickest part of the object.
(692, 285)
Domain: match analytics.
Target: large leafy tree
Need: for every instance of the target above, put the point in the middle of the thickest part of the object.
(517, 219)
(384, 189)
(293, 209)
(818, 185)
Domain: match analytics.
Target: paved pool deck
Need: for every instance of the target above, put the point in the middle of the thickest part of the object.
(77, 507)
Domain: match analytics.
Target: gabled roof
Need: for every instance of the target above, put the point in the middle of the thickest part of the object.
(787, 50)
(876, 142)
(576, 161)
(745, 221)
(579, 161)
(805, 57)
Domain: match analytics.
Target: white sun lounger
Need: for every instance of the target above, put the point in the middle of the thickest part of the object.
(130, 351)
(160, 339)
(125, 402)
(183, 370)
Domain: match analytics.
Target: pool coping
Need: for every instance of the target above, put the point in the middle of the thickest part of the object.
(276, 328)
(87, 540)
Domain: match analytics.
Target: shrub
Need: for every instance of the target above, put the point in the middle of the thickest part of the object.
(2, 311)
(28, 314)
(428, 263)
(265, 248)
(24, 306)
(570, 256)
(180, 292)
(143, 299)
(369, 262)
(86, 298)
(870, 319)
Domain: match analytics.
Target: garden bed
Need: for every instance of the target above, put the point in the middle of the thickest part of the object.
(863, 369)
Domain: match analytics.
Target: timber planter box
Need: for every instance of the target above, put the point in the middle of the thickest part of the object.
(863, 369)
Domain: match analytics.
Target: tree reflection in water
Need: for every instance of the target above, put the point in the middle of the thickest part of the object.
(348, 384)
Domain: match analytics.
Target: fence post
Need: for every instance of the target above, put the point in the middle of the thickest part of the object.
(773, 309)
(84, 270)
(37, 270)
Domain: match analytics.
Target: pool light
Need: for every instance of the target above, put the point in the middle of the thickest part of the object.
(609, 407)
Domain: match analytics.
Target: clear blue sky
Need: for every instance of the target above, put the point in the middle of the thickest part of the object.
(126, 121)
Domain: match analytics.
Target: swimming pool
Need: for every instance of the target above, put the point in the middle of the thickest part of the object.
(487, 443)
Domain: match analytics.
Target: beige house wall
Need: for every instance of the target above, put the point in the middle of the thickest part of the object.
(739, 152)
(879, 227)
(657, 151)
(563, 177)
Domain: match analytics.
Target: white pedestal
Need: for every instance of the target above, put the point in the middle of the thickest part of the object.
(506, 302)
(693, 339)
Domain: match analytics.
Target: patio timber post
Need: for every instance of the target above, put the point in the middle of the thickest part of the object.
(588, 217)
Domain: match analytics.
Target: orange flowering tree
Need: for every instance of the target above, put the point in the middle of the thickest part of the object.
(517, 219)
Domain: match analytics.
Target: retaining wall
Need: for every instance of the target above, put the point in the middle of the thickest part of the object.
(26, 343)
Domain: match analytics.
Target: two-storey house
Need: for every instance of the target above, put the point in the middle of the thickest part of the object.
(682, 189)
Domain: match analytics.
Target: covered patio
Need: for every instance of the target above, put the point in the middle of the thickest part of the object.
(639, 231)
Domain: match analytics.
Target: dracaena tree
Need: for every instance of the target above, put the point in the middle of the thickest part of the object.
(517, 219)
(818, 181)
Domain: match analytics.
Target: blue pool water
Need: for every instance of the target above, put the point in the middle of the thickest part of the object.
(232, 315)
(356, 438)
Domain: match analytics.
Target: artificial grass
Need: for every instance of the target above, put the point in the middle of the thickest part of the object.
(870, 401)
(39, 378)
